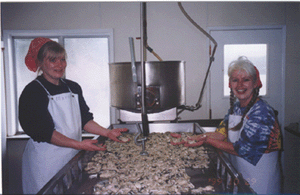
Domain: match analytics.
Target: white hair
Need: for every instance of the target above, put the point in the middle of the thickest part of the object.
(242, 63)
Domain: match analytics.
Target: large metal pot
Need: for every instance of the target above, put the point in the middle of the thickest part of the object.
(165, 85)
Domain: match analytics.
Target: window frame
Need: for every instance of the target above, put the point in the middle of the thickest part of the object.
(10, 88)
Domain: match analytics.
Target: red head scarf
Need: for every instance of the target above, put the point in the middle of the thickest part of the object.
(34, 48)
(258, 81)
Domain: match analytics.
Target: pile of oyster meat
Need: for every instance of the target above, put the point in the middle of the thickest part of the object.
(122, 170)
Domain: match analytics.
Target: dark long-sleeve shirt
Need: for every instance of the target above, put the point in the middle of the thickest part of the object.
(34, 116)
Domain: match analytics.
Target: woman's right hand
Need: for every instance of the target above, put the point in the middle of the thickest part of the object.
(91, 145)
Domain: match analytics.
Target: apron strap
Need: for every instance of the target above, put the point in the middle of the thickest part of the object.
(43, 86)
(48, 91)
(66, 85)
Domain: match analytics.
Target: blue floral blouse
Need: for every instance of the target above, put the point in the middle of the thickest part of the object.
(260, 132)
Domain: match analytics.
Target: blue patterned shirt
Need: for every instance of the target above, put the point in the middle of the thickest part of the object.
(260, 133)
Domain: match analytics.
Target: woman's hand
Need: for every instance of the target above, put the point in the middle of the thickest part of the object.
(59, 139)
(91, 145)
(196, 140)
(201, 137)
(95, 128)
(115, 133)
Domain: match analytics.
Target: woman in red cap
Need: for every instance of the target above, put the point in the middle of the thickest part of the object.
(53, 112)
(250, 132)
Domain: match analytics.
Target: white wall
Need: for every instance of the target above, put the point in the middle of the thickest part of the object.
(292, 69)
(45, 16)
(246, 13)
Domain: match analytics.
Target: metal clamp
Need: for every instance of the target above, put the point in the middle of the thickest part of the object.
(140, 141)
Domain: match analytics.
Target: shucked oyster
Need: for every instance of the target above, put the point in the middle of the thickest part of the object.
(161, 172)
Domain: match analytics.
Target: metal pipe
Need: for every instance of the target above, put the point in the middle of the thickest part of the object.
(132, 54)
(140, 141)
(211, 59)
(143, 57)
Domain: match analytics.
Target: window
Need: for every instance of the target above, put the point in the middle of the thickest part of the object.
(88, 55)
(256, 53)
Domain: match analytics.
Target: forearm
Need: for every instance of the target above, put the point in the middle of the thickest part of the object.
(59, 139)
(222, 145)
(95, 128)
(215, 135)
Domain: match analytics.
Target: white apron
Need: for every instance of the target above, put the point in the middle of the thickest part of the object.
(264, 178)
(41, 161)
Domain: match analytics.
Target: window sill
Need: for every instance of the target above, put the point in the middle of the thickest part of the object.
(25, 136)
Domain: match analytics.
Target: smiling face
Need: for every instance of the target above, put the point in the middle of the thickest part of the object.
(242, 85)
(51, 59)
(54, 68)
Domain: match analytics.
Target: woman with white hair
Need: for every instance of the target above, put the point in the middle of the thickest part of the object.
(250, 132)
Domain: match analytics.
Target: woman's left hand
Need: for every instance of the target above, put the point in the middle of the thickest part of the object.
(196, 140)
(115, 133)
(201, 137)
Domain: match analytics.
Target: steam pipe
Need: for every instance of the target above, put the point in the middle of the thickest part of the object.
(211, 59)
(143, 42)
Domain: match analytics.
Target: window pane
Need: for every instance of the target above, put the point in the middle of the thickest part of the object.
(24, 76)
(256, 53)
(87, 64)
